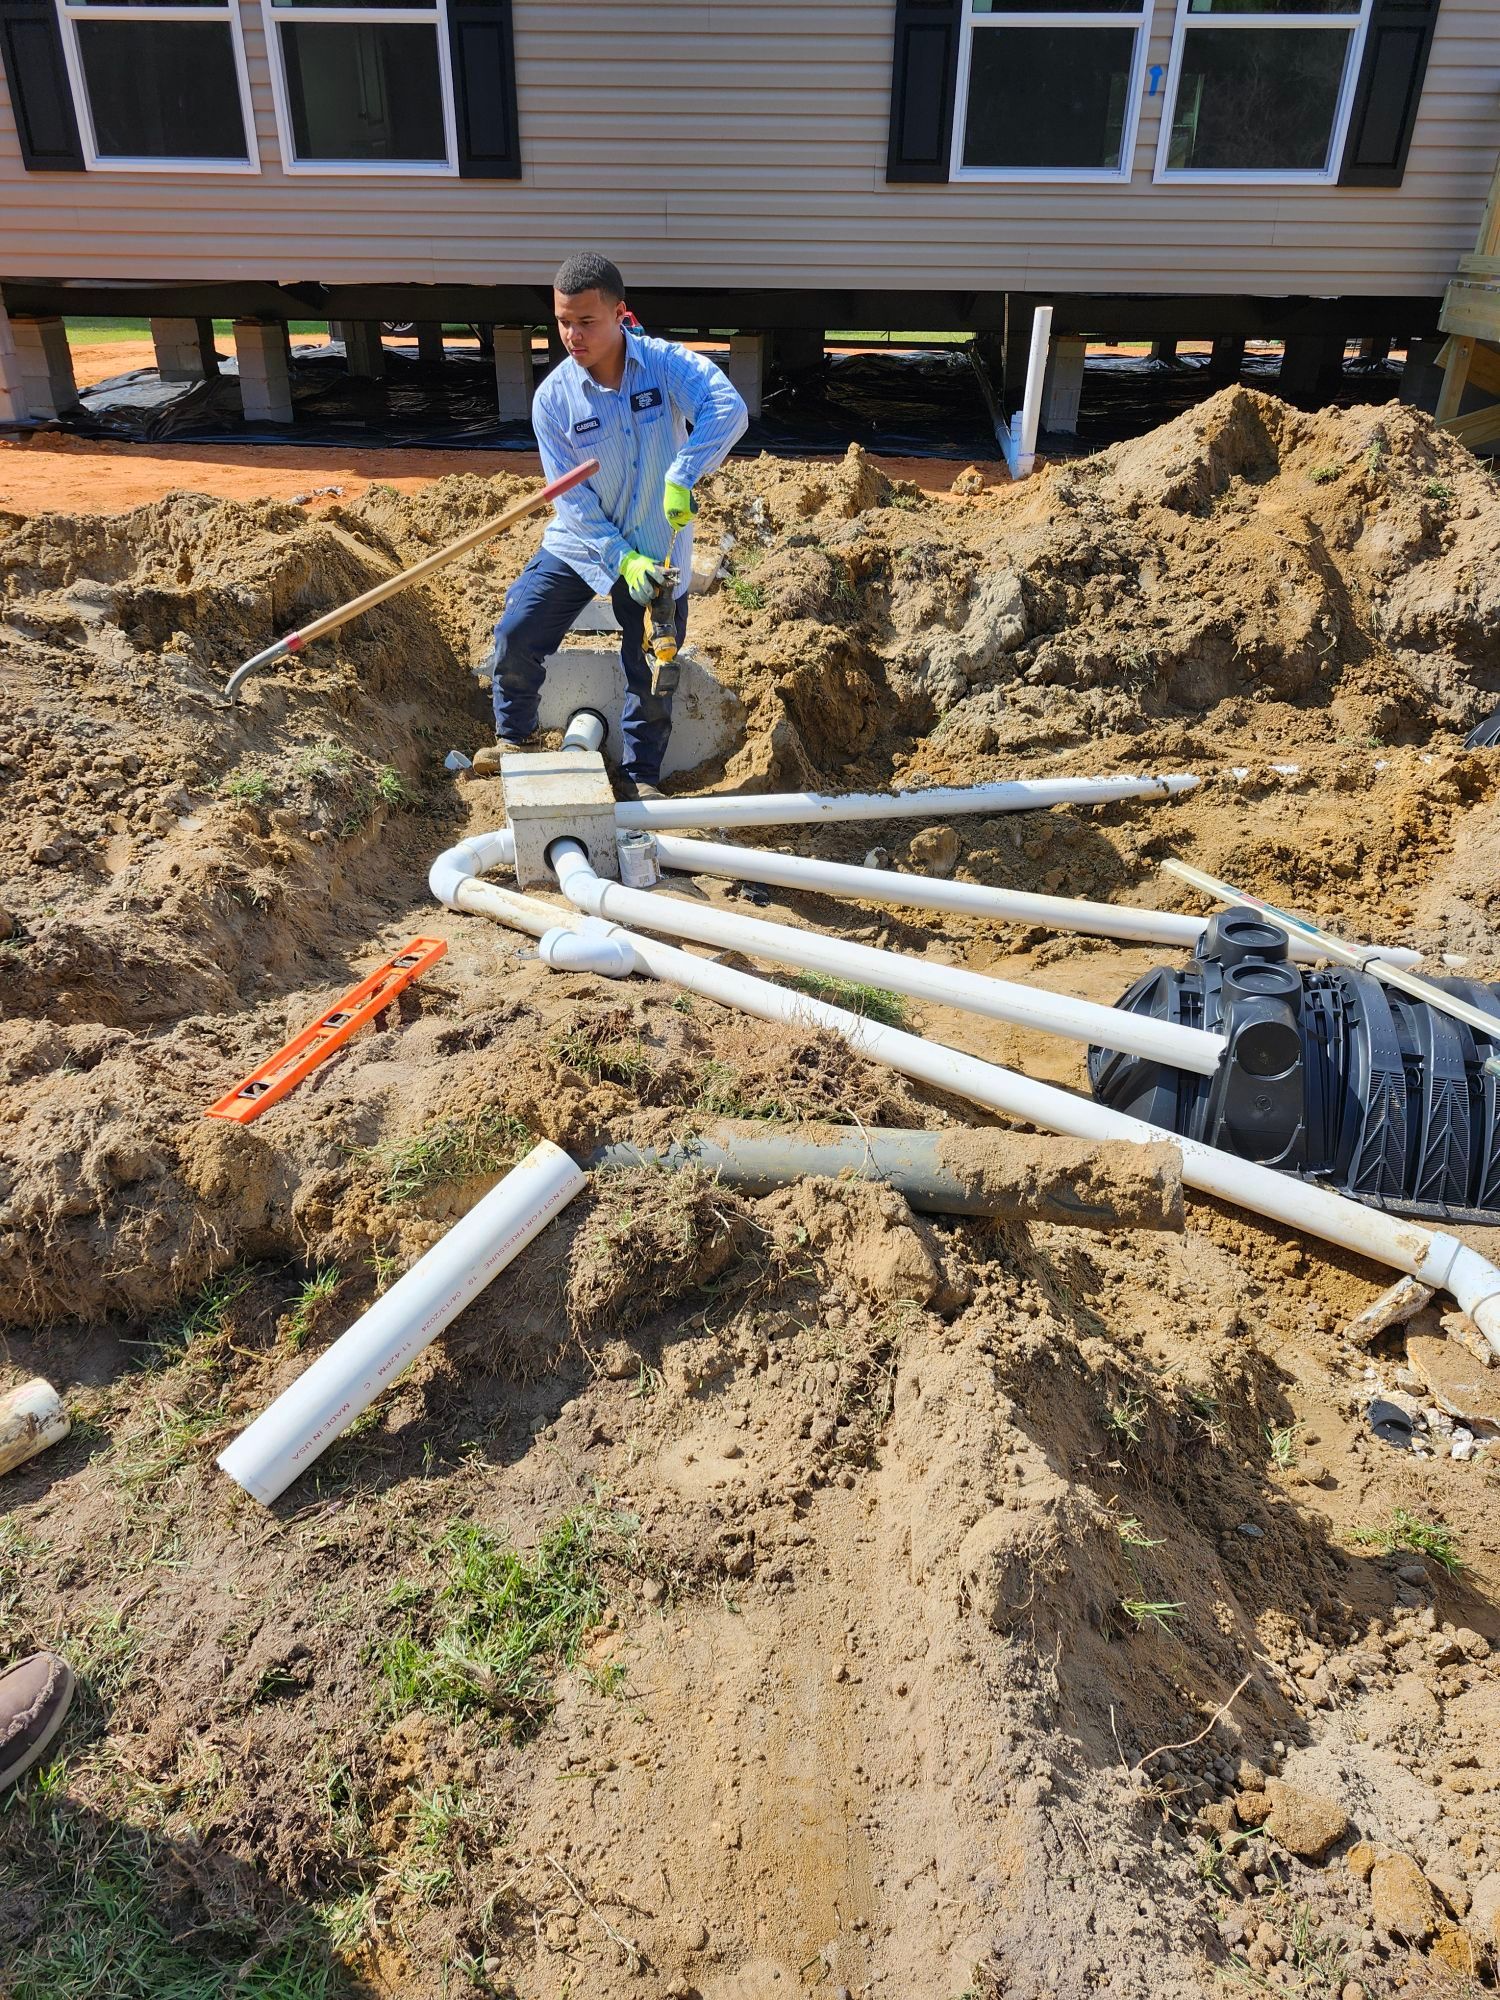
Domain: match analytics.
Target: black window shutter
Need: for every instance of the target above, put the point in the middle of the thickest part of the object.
(31, 49)
(924, 80)
(484, 89)
(1388, 92)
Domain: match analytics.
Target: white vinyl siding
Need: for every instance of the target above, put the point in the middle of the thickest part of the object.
(780, 108)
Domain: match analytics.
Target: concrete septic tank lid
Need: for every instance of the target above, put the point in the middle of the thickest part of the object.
(707, 719)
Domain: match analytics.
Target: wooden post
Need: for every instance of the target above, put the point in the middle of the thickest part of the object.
(31, 1418)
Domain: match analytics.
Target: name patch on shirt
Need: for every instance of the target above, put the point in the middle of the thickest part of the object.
(646, 399)
(585, 424)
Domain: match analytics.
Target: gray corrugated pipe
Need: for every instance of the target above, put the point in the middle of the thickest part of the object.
(1012, 1176)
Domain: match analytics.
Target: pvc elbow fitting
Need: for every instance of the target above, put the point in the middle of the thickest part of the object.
(595, 947)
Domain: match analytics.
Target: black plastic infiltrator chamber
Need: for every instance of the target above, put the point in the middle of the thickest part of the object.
(1329, 1075)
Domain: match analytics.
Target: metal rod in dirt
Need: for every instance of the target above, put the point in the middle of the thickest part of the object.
(1360, 957)
(1011, 1176)
(294, 642)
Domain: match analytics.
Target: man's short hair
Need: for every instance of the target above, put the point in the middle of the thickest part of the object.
(587, 271)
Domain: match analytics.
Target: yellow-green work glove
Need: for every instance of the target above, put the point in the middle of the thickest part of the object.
(678, 504)
(644, 575)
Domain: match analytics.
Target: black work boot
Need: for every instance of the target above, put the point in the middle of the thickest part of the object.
(35, 1695)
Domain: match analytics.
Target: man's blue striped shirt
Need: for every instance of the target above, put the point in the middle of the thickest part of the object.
(639, 434)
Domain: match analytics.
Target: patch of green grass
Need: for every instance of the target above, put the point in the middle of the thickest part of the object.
(504, 1622)
(203, 1319)
(101, 1931)
(1134, 1536)
(648, 1382)
(1322, 474)
(1285, 1444)
(323, 763)
(391, 788)
(1379, 450)
(747, 595)
(603, 1051)
(489, 1142)
(873, 1002)
(607, 1680)
(169, 1438)
(1409, 1533)
(1126, 1419)
(252, 786)
(386, 1264)
(318, 1290)
(1148, 1612)
(1438, 489)
(721, 1094)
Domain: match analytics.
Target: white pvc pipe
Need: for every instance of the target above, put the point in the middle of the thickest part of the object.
(1433, 1256)
(585, 731)
(799, 808)
(944, 985)
(975, 899)
(1028, 419)
(326, 1398)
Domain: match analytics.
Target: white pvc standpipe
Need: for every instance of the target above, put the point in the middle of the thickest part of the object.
(585, 731)
(944, 985)
(802, 808)
(1028, 417)
(326, 1398)
(1433, 1256)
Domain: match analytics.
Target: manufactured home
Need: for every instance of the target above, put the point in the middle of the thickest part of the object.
(1304, 169)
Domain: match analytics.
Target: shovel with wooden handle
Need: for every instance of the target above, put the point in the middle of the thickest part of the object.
(295, 642)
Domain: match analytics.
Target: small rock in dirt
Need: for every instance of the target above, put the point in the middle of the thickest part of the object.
(1484, 1910)
(878, 857)
(1360, 1859)
(1454, 1892)
(693, 1933)
(1352, 1990)
(968, 483)
(1457, 1383)
(619, 1360)
(653, 1590)
(1253, 1808)
(1251, 1777)
(7, 924)
(1217, 1816)
(1475, 1645)
(934, 850)
(1248, 1528)
(1305, 1824)
(1459, 1951)
(1413, 1573)
(1401, 1900)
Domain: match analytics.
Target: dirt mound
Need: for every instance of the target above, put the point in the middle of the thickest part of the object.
(995, 1609)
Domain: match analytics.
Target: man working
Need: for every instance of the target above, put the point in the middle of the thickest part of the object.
(629, 401)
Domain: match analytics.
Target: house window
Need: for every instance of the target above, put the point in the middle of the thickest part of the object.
(159, 86)
(362, 89)
(1048, 89)
(1262, 88)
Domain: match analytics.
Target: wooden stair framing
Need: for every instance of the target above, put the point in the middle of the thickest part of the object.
(1471, 319)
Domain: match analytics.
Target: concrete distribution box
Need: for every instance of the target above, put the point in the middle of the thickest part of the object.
(553, 794)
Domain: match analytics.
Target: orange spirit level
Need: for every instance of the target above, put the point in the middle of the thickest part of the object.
(301, 1056)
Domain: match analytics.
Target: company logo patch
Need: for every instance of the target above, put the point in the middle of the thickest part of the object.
(585, 424)
(646, 399)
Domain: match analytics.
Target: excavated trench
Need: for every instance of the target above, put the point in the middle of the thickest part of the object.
(911, 1539)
